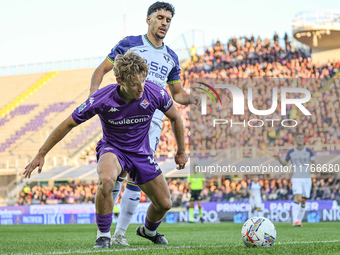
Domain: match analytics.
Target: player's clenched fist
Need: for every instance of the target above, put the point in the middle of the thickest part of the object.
(181, 159)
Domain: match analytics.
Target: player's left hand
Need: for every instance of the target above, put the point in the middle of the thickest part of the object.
(195, 100)
(38, 161)
(181, 159)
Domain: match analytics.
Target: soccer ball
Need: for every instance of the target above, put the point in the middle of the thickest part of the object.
(258, 232)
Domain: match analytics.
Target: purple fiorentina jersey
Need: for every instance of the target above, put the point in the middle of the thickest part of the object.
(125, 126)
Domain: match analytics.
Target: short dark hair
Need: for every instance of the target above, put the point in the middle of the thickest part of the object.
(159, 6)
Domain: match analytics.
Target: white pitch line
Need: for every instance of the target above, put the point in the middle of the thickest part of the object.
(166, 248)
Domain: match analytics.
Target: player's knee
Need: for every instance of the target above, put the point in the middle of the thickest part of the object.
(166, 205)
(106, 183)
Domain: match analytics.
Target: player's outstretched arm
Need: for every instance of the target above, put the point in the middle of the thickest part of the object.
(98, 75)
(181, 157)
(57, 135)
(181, 96)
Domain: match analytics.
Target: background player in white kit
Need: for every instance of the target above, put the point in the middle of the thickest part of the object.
(301, 159)
(255, 197)
(163, 69)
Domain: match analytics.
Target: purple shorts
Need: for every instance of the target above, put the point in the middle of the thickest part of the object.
(141, 168)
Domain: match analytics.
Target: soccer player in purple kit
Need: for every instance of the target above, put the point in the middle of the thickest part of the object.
(125, 144)
(164, 69)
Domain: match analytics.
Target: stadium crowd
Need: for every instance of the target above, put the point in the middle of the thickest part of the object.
(260, 60)
(214, 190)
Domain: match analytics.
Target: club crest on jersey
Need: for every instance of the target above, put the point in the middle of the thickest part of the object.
(144, 104)
(167, 58)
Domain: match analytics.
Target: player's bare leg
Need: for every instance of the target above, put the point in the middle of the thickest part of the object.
(128, 206)
(296, 209)
(158, 192)
(108, 170)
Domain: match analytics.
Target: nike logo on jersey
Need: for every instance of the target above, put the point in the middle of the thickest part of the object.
(143, 51)
(113, 109)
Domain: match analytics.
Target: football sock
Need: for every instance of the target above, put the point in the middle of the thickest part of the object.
(128, 205)
(301, 212)
(260, 213)
(100, 234)
(116, 189)
(150, 227)
(104, 224)
(295, 211)
(201, 213)
(191, 214)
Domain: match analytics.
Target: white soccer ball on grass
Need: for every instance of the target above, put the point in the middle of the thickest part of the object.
(258, 232)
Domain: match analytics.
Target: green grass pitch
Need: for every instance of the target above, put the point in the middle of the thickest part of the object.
(184, 238)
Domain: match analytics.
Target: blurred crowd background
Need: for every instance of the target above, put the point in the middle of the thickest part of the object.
(214, 190)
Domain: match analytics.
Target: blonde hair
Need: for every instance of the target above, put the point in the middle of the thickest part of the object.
(129, 65)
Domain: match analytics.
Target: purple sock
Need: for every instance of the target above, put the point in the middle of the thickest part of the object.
(104, 222)
(152, 226)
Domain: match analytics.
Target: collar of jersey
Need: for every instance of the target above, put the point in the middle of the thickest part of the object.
(147, 39)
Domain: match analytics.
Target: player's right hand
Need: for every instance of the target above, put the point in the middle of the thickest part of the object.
(181, 159)
(38, 161)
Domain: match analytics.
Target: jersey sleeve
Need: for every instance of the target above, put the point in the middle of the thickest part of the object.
(120, 48)
(164, 100)
(288, 155)
(175, 71)
(312, 156)
(92, 106)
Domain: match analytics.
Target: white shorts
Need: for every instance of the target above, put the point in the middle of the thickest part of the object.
(154, 135)
(302, 186)
(255, 202)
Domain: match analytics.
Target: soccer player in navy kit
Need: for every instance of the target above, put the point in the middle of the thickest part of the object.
(125, 144)
(301, 158)
(163, 69)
